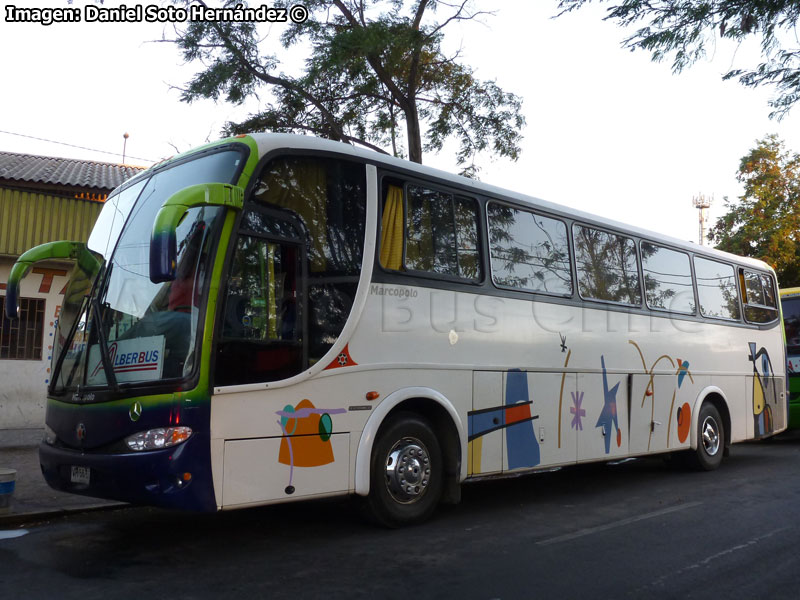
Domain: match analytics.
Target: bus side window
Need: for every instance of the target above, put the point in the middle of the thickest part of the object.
(791, 319)
(528, 251)
(429, 231)
(667, 279)
(716, 289)
(758, 292)
(607, 266)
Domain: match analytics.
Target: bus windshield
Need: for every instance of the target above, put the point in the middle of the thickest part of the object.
(148, 330)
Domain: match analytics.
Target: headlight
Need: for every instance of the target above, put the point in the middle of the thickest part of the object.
(155, 439)
(49, 435)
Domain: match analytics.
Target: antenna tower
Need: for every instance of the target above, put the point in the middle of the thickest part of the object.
(702, 204)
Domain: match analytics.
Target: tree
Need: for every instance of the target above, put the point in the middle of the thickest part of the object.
(765, 222)
(684, 28)
(374, 67)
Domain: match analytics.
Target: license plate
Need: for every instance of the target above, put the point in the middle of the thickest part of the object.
(79, 475)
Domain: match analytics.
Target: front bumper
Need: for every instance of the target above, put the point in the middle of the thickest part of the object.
(156, 478)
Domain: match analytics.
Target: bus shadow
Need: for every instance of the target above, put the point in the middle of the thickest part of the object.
(788, 437)
(271, 536)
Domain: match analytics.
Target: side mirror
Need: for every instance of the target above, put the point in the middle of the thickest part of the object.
(163, 246)
(77, 251)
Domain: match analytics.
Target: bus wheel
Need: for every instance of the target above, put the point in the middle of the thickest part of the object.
(710, 439)
(406, 472)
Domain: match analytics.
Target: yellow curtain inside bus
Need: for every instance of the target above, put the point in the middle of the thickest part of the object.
(301, 186)
(392, 229)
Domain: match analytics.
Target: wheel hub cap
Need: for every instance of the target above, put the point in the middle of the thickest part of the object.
(710, 436)
(408, 470)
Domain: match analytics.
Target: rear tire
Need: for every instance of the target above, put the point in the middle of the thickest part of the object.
(710, 439)
(406, 472)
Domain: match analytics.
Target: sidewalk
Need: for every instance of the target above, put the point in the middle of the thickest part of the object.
(33, 500)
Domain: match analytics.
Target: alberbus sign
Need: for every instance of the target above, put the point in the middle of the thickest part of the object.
(137, 359)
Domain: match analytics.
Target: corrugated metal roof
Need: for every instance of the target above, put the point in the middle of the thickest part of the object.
(28, 219)
(64, 171)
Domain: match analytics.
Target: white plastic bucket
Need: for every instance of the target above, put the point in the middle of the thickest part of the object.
(8, 480)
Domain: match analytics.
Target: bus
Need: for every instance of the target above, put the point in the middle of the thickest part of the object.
(271, 318)
(790, 303)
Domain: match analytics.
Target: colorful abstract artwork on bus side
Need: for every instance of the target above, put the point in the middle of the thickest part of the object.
(306, 435)
(765, 391)
(516, 417)
(608, 416)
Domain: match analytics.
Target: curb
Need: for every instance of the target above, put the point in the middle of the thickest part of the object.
(17, 519)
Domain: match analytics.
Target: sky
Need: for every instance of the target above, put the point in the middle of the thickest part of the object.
(608, 131)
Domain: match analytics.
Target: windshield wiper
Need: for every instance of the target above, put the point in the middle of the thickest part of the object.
(93, 299)
(101, 337)
(68, 341)
(101, 334)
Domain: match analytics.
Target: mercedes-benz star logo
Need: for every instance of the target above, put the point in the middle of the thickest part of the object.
(136, 411)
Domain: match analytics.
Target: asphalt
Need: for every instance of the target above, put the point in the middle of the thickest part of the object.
(32, 499)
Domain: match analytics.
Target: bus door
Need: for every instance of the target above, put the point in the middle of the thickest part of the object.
(264, 324)
(265, 338)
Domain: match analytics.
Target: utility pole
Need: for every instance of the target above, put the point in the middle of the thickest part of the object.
(702, 204)
(124, 146)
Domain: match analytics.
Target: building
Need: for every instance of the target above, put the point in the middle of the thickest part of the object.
(42, 199)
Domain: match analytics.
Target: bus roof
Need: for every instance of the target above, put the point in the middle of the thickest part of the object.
(790, 292)
(270, 142)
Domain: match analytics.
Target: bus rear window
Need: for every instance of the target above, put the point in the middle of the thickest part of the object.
(761, 305)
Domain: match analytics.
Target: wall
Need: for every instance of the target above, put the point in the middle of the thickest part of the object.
(29, 218)
(23, 383)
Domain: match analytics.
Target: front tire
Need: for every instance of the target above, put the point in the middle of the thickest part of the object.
(710, 439)
(406, 472)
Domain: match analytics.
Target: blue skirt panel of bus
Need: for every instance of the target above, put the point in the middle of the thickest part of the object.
(156, 477)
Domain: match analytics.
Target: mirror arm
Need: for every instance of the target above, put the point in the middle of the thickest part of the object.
(163, 240)
(76, 251)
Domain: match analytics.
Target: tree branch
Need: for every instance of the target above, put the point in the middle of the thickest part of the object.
(279, 81)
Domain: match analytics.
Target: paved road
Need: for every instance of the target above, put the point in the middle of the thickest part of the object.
(637, 529)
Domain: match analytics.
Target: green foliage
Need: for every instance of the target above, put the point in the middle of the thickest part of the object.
(765, 222)
(684, 29)
(374, 68)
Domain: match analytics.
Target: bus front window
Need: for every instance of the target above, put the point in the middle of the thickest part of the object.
(151, 327)
(148, 329)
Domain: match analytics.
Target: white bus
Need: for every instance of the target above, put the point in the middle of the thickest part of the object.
(273, 318)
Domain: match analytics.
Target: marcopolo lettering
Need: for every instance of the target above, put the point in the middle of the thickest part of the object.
(377, 290)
